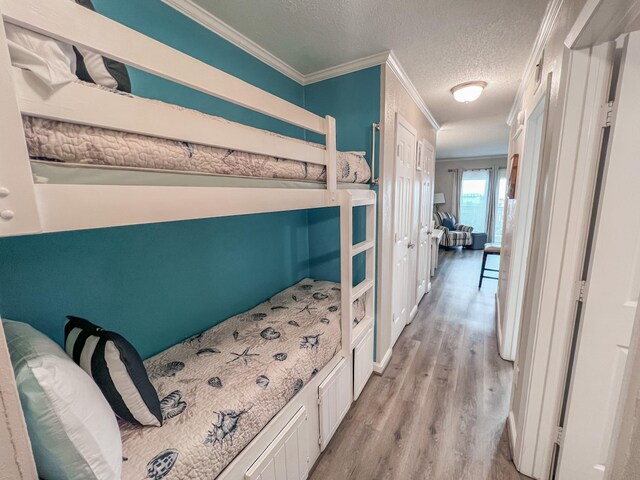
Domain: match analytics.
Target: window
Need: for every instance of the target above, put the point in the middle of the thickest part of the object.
(501, 194)
(473, 199)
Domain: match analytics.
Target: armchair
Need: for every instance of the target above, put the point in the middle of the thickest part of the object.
(460, 237)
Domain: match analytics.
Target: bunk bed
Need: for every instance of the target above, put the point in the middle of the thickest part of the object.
(39, 196)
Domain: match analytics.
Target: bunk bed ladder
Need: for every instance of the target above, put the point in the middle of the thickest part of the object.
(355, 336)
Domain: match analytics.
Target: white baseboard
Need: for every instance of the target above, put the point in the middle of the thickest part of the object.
(498, 325)
(412, 314)
(512, 434)
(378, 368)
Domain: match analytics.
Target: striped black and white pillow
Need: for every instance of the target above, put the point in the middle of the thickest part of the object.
(94, 68)
(117, 369)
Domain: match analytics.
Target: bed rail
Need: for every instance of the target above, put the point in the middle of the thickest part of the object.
(22, 204)
(77, 25)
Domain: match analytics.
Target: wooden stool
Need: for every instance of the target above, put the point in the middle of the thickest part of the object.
(489, 249)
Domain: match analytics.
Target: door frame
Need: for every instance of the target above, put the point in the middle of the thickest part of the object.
(541, 363)
(534, 436)
(528, 176)
(616, 162)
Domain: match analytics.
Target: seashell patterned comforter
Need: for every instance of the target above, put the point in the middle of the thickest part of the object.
(80, 144)
(219, 388)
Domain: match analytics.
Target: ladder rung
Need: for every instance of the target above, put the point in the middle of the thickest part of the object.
(360, 289)
(359, 331)
(362, 247)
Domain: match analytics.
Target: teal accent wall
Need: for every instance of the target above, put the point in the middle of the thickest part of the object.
(161, 22)
(354, 101)
(155, 284)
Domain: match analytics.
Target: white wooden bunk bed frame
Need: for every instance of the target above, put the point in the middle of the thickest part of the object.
(289, 445)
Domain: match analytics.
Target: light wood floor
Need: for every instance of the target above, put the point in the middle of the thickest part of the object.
(439, 410)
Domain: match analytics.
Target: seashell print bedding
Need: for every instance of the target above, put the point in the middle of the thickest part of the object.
(219, 388)
(80, 144)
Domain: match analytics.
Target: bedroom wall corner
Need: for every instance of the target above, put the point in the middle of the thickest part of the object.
(354, 100)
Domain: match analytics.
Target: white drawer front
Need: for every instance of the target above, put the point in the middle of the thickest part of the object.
(287, 457)
(335, 400)
(362, 363)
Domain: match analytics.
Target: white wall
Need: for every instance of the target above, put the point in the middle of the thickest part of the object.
(395, 99)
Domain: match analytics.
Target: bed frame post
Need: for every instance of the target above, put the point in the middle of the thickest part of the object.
(18, 208)
(346, 273)
(16, 457)
(331, 158)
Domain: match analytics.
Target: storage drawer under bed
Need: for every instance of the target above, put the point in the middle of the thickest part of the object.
(362, 363)
(287, 457)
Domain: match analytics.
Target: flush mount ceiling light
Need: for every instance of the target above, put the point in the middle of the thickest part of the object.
(468, 92)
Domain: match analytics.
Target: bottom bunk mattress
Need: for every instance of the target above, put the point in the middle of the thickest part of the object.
(219, 388)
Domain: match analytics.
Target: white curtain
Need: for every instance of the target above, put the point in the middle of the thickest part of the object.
(491, 202)
(500, 195)
(456, 191)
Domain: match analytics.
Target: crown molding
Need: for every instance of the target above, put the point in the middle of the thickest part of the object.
(211, 22)
(198, 14)
(544, 32)
(348, 67)
(397, 69)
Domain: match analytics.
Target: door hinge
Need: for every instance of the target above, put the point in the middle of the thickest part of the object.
(320, 440)
(559, 432)
(581, 288)
(607, 114)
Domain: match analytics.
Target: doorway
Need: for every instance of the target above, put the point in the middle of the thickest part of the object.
(525, 196)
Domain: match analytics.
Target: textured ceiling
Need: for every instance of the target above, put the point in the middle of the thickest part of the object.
(440, 43)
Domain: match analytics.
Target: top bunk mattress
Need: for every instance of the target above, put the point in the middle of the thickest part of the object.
(72, 143)
(218, 389)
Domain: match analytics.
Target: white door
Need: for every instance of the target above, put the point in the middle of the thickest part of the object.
(414, 225)
(612, 288)
(424, 225)
(404, 170)
(527, 181)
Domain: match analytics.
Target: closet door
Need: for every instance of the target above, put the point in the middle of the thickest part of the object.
(424, 225)
(403, 209)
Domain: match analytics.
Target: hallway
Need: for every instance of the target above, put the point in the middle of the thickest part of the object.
(439, 410)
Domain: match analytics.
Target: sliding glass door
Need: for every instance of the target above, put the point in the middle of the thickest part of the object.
(482, 197)
(474, 195)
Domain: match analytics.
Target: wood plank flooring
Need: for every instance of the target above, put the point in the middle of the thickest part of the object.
(439, 410)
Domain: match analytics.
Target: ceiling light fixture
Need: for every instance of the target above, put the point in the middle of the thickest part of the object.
(468, 92)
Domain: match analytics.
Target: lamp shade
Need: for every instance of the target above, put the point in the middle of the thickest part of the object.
(438, 199)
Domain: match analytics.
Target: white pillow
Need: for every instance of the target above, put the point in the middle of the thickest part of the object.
(74, 433)
(53, 62)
